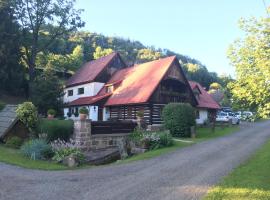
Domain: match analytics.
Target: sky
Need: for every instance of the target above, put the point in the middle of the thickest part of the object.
(201, 29)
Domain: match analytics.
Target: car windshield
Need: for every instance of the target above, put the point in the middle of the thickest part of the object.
(222, 114)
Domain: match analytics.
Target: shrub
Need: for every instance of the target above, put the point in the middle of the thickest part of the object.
(14, 142)
(151, 140)
(37, 149)
(27, 113)
(178, 118)
(62, 149)
(51, 112)
(56, 129)
(83, 110)
(156, 140)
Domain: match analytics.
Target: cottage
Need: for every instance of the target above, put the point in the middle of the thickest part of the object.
(124, 91)
(207, 107)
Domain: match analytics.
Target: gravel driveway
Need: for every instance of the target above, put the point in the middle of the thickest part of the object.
(184, 174)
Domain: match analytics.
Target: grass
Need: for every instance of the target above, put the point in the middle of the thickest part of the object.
(248, 182)
(156, 152)
(202, 135)
(14, 157)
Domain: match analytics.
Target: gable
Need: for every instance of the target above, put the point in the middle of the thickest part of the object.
(140, 82)
(174, 81)
(174, 73)
(98, 70)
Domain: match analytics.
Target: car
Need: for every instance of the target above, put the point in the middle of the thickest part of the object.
(238, 114)
(234, 118)
(227, 117)
(247, 115)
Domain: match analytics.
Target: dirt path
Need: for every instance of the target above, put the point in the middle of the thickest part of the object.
(183, 174)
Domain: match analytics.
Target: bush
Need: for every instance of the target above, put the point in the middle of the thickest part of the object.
(178, 118)
(51, 112)
(37, 149)
(83, 110)
(56, 129)
(151, 140)
(27, 113)
(14, 142)
(62, 149)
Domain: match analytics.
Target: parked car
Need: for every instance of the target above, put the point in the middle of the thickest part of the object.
(238, 114)
(247, 115)
(227, 117)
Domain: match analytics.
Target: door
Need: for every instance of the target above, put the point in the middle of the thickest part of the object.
(100, 113)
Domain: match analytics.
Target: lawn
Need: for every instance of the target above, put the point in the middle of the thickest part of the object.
(154, 153)
(202, 135)
(14, 157)
(248, 182)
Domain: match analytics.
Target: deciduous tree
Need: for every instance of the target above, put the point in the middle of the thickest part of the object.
(251, 58)
(35, 16)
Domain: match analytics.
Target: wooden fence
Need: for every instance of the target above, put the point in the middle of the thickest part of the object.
(112, 127)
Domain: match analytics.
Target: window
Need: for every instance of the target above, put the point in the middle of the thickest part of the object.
(197, 114)
(129, 112)
(70, 92)
(81, 90)
(109, 89)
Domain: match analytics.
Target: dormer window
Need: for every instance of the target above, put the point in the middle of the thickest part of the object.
(70, 93)
(80, 91)
(109, 89)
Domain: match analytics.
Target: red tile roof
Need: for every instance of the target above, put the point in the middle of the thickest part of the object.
(88, 100)
(205, 100)
(139, 82)
(90, 70)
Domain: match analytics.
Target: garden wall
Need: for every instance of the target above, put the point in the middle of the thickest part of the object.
(86, 139)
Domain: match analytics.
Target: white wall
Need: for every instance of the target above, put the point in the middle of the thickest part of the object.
(90, 89)
(93, 112)
(203, 115)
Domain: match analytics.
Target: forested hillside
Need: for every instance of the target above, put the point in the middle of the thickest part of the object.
(69, 52)
(41, 45)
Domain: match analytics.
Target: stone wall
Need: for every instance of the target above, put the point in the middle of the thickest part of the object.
(86, 141)
(82, 134)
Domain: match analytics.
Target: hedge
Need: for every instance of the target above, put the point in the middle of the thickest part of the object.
(178, 118)
(56, 129)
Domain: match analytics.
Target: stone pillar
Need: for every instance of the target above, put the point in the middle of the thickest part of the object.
(82, 134)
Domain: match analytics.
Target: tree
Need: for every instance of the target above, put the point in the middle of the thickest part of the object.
(251, 59)
(47, 92)
(61, 62)
(11, 71)
(101, 52)
(35, 18)
(215, 86)
(146, 55)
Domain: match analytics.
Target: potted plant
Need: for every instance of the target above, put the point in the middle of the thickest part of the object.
(51, 113)
(83, 113)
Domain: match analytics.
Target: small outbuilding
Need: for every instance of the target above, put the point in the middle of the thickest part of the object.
(10, 125)
(207, 107)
